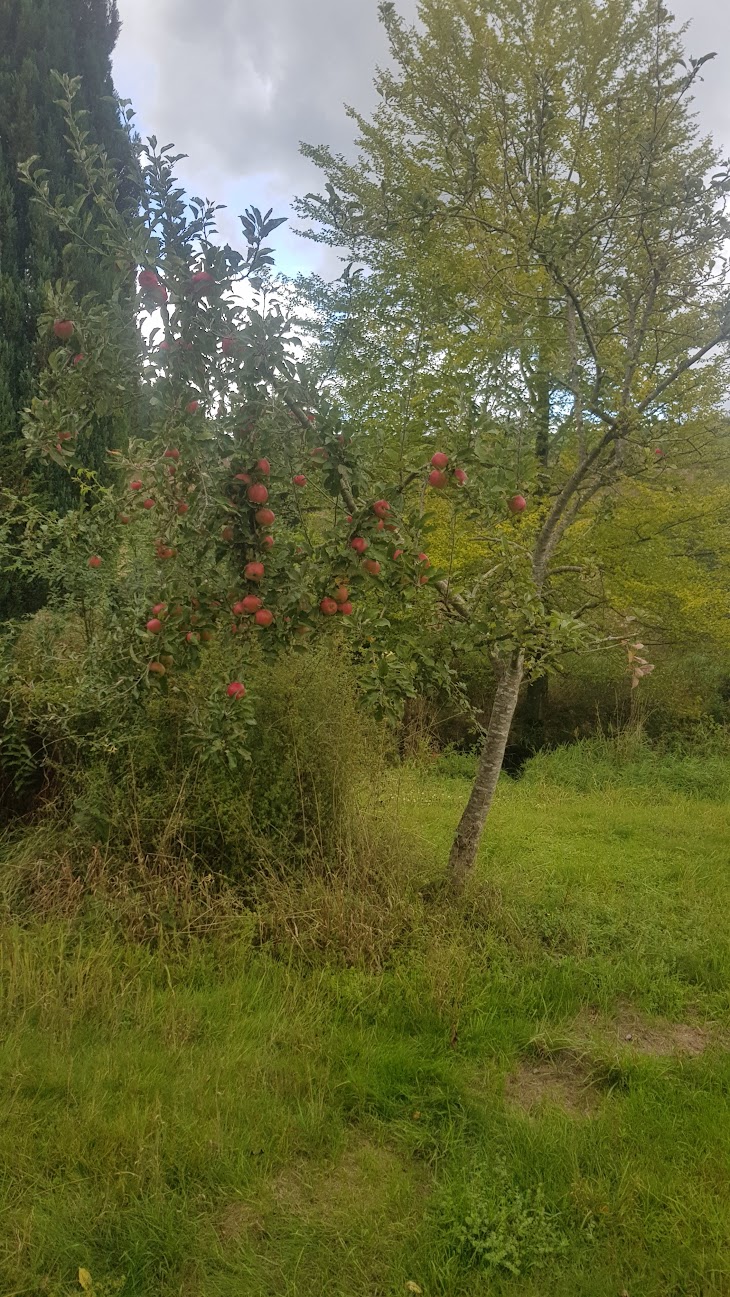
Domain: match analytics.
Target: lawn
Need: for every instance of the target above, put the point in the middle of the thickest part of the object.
(531, 1097)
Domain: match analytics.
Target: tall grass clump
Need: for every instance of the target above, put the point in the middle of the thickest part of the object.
(160, 834)
(629, 762)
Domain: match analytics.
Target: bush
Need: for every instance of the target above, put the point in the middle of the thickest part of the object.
(312, 754)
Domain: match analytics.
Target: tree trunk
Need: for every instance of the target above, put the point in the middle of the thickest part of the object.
(471, 825)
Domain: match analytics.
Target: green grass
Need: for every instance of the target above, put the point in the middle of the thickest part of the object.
(212, 1122)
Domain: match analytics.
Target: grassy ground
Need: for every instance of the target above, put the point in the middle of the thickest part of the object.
(470, 1120)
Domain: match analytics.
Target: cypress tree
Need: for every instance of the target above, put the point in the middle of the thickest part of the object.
(37, 36)
(77, 37)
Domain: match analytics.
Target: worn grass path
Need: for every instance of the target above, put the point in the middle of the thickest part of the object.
(531, 1099)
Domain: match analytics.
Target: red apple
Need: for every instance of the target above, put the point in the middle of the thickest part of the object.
(342, 594)
(359, 544)
(235, 689)
(171, 454)
(227, 534)
(423, 558)
(192, 407)
(460, 476)
(254, 571)
(243, 477)
(345, 608)
(320, 453)
(250, 604)
(154, 625)
(124, 517)
(227, 345)
(64, 329)
(94, 561)
(266, 542)
(136, 485)
(299, 480)
(148, 504)
(77, 359)
(257, 493)
(238, 609)
(517, 504)
(381, 525)
(206, 636)
(202, 279)
(264, 617)
(439, 460)
(437, 479)
(381, 508)
(263, 467)
(164, 346)
(158, 608)
(182, 508)
(372, 566)
(265, 517)
(156, 668)
(148, 279)
(397, 553)
(192, 637)
(328, 607)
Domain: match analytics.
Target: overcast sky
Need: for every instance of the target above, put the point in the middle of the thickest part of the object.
(237, 84)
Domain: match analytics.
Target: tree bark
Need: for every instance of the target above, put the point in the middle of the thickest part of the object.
(471, 825)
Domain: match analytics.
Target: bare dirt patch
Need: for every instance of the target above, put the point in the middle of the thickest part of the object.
(562, 1081)
(238, 1220)
(366, 1178)
(628, 1029)
(366, 1182)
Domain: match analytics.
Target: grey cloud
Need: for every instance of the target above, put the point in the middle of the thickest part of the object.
(241, 83)
(237, 84)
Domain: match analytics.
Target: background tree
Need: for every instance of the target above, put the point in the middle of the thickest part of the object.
(542, 170)
(77, 37)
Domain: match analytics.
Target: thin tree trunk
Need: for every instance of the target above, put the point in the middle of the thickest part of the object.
(468, 835)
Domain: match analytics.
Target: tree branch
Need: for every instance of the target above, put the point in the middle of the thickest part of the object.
(724, 336)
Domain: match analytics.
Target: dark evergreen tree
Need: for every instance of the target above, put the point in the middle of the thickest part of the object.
(37, 36)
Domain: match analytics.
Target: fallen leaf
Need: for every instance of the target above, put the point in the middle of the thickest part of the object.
(413, 1287)
(85, 1279)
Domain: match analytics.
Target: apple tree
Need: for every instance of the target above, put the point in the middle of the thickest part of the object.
(242, 519)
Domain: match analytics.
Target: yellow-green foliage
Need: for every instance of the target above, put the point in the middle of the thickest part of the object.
(666, 557)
